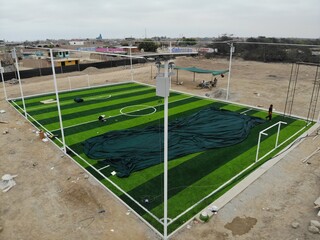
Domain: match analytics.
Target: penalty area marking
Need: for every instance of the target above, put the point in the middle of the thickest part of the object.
(246, 111)
(144, 107)
(103, 167)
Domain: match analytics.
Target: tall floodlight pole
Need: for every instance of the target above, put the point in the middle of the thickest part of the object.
(20, 85)
(58, 103)
(229, 74)
(2, 79)
(163, 90)
(130, 51)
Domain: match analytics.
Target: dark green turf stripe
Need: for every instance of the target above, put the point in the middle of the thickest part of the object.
(85, 119)
(65, 105)
(97, 110)
(76, 139)
(184, 175)
(92, 114)
(73, 93)
(118, 119)
(98, 98)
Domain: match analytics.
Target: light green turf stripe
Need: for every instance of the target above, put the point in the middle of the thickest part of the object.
(195, 192)
(93, 117)
(94, 106)
(68, 102)
(154, 171)
(74, 93)
(148, 173)
(77, 138)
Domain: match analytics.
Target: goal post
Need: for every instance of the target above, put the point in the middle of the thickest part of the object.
(263, 132)
(80, 81)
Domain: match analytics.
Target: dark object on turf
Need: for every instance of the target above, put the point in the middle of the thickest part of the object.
(135, 149)
(101, 118)
(78, 100)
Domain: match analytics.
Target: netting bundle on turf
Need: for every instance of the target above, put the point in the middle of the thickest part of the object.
(135, 149)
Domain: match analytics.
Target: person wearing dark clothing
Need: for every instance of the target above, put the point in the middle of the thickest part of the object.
(270, 113)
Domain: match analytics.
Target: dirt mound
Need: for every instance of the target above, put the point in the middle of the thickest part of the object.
(91, 70)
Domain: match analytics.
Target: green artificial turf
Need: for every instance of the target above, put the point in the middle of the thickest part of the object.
(191, 178)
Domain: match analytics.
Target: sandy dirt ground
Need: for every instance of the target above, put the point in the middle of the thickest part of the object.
(55, 199)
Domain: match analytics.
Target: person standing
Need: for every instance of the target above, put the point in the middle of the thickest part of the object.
(270, 113)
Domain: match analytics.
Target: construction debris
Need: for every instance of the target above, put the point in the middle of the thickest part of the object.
(295, 225)
(313, 229)
(311, 155)
(317, 203)
(7, 182)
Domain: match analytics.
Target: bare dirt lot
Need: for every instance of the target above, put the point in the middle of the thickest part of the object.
(56, 199)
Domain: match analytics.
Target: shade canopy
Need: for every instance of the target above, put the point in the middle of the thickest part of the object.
(203, 71)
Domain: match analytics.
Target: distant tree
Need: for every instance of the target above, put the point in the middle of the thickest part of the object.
(221, 44)
(184, 42)
(148, 45)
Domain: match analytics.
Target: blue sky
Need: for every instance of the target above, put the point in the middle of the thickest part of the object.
(34, 19)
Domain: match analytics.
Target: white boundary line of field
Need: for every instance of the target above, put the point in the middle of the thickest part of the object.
(90, 98)
(67, 90)
(106, 178)
(216, 190)
(233, 178)
(247, 181)
(98, 170)
(115, 185)
(229, 102)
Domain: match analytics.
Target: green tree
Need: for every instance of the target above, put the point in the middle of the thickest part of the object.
(148, 45)
(184, 42)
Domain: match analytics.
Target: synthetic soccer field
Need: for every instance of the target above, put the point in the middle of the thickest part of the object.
(193, 178)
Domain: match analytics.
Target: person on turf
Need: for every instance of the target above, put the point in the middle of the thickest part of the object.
(270, 113)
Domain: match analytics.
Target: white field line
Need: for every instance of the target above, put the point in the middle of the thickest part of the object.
(92, 98)
(112, 193)
(106, 178)
(119, 114)
(114, 184)
(103, 167)
(230, 180)
(227, 101)
(63, 91)
(246, 111)
(37, 127)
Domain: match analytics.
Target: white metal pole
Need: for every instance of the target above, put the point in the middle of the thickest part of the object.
(259, 140)
(278, 134)
(4, 85)
(229, 73)
(165, 161)
(20, 85)
(258, 147)
(58, 103)
(131, 62)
